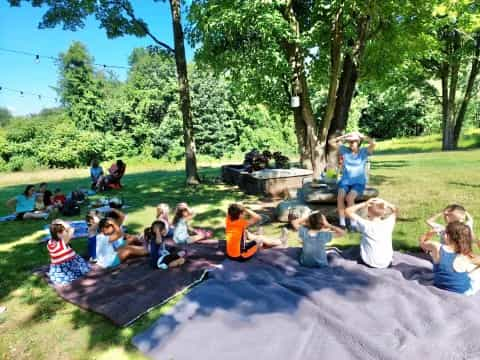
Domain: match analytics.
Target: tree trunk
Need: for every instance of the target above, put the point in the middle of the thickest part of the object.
(349, 77)
(311, 151)
(185, 106)
(346, 88)
(445, 108)
(335, 66)
(474, 71)
(449, 91)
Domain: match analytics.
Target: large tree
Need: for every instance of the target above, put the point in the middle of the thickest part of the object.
(118, 18)
(79, 88)
(294, 46)
(454, 58)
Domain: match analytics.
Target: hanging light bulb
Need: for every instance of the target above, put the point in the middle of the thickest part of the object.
(37, 59)
(21, 93)
(1, 88)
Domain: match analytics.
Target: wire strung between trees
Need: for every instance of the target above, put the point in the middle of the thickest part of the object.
(37, 58)
(23, 93)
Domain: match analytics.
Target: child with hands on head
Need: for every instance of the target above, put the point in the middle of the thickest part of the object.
(454, 266)
(376, 231)
(65, 265)
(315, 232)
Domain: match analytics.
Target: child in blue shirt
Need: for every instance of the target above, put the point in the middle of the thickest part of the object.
(454, 265)
(315, 232)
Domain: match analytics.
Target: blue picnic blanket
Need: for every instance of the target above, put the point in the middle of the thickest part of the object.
(10, 217)
(80, 227)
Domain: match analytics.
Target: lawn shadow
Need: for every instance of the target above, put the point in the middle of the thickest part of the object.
(475, 186)
(21, 252)
(392, 164)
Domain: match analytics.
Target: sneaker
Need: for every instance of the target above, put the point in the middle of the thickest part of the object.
(162, 266)
(92, 260)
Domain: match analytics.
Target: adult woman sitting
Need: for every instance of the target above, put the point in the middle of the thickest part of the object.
(354, 178)
(25, 205)
(116, 172)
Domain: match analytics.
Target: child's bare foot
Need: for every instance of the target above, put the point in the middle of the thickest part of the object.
(284, 237)
(178, 262)
(260, 230)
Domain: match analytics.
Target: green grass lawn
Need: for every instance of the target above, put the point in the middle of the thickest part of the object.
(39, 325)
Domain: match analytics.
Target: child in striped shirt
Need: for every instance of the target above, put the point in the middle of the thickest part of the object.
(65, 265)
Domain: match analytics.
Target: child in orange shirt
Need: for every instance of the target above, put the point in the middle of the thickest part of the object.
(241, 243)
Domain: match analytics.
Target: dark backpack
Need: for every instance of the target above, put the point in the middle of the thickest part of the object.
(70, 208)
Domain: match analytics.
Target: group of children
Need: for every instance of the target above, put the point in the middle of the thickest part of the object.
(109, 245)
(33, 204)
(455, 266)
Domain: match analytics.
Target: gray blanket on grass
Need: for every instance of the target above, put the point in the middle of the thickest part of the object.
(272, 308)
(126, 293)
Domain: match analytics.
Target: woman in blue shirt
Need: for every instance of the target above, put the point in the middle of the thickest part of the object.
(354, 177)
(25, 205)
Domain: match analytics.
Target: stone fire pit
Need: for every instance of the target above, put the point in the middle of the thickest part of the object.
(267, 182)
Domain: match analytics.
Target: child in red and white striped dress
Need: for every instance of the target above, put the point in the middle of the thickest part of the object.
(65, 265)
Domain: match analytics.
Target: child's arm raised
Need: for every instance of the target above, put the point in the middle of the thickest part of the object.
(351, 211)
(253, 217)
(432, 221)
(299, 222)
(117, 232)
(429, 246)
(338, 232)
(121, 215)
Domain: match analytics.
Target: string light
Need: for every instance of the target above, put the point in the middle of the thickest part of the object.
(23, 93)
(37, 58)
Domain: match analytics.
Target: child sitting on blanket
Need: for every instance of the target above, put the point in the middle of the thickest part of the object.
(162, 214)
(161, 256)
(182, 234)
(93, 220)
(454, 266)
(376, 244)
(58, 199)
(315, 232)
(110, 232)
(450, 214)
(237, 234)
(65, 265)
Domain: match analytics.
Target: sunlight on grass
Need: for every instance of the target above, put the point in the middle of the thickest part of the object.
(39, 325)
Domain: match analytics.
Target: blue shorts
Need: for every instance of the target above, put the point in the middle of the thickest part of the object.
(358, 188)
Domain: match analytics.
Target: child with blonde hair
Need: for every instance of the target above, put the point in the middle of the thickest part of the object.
(451, 213)
(182, 234)
(376, 248)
